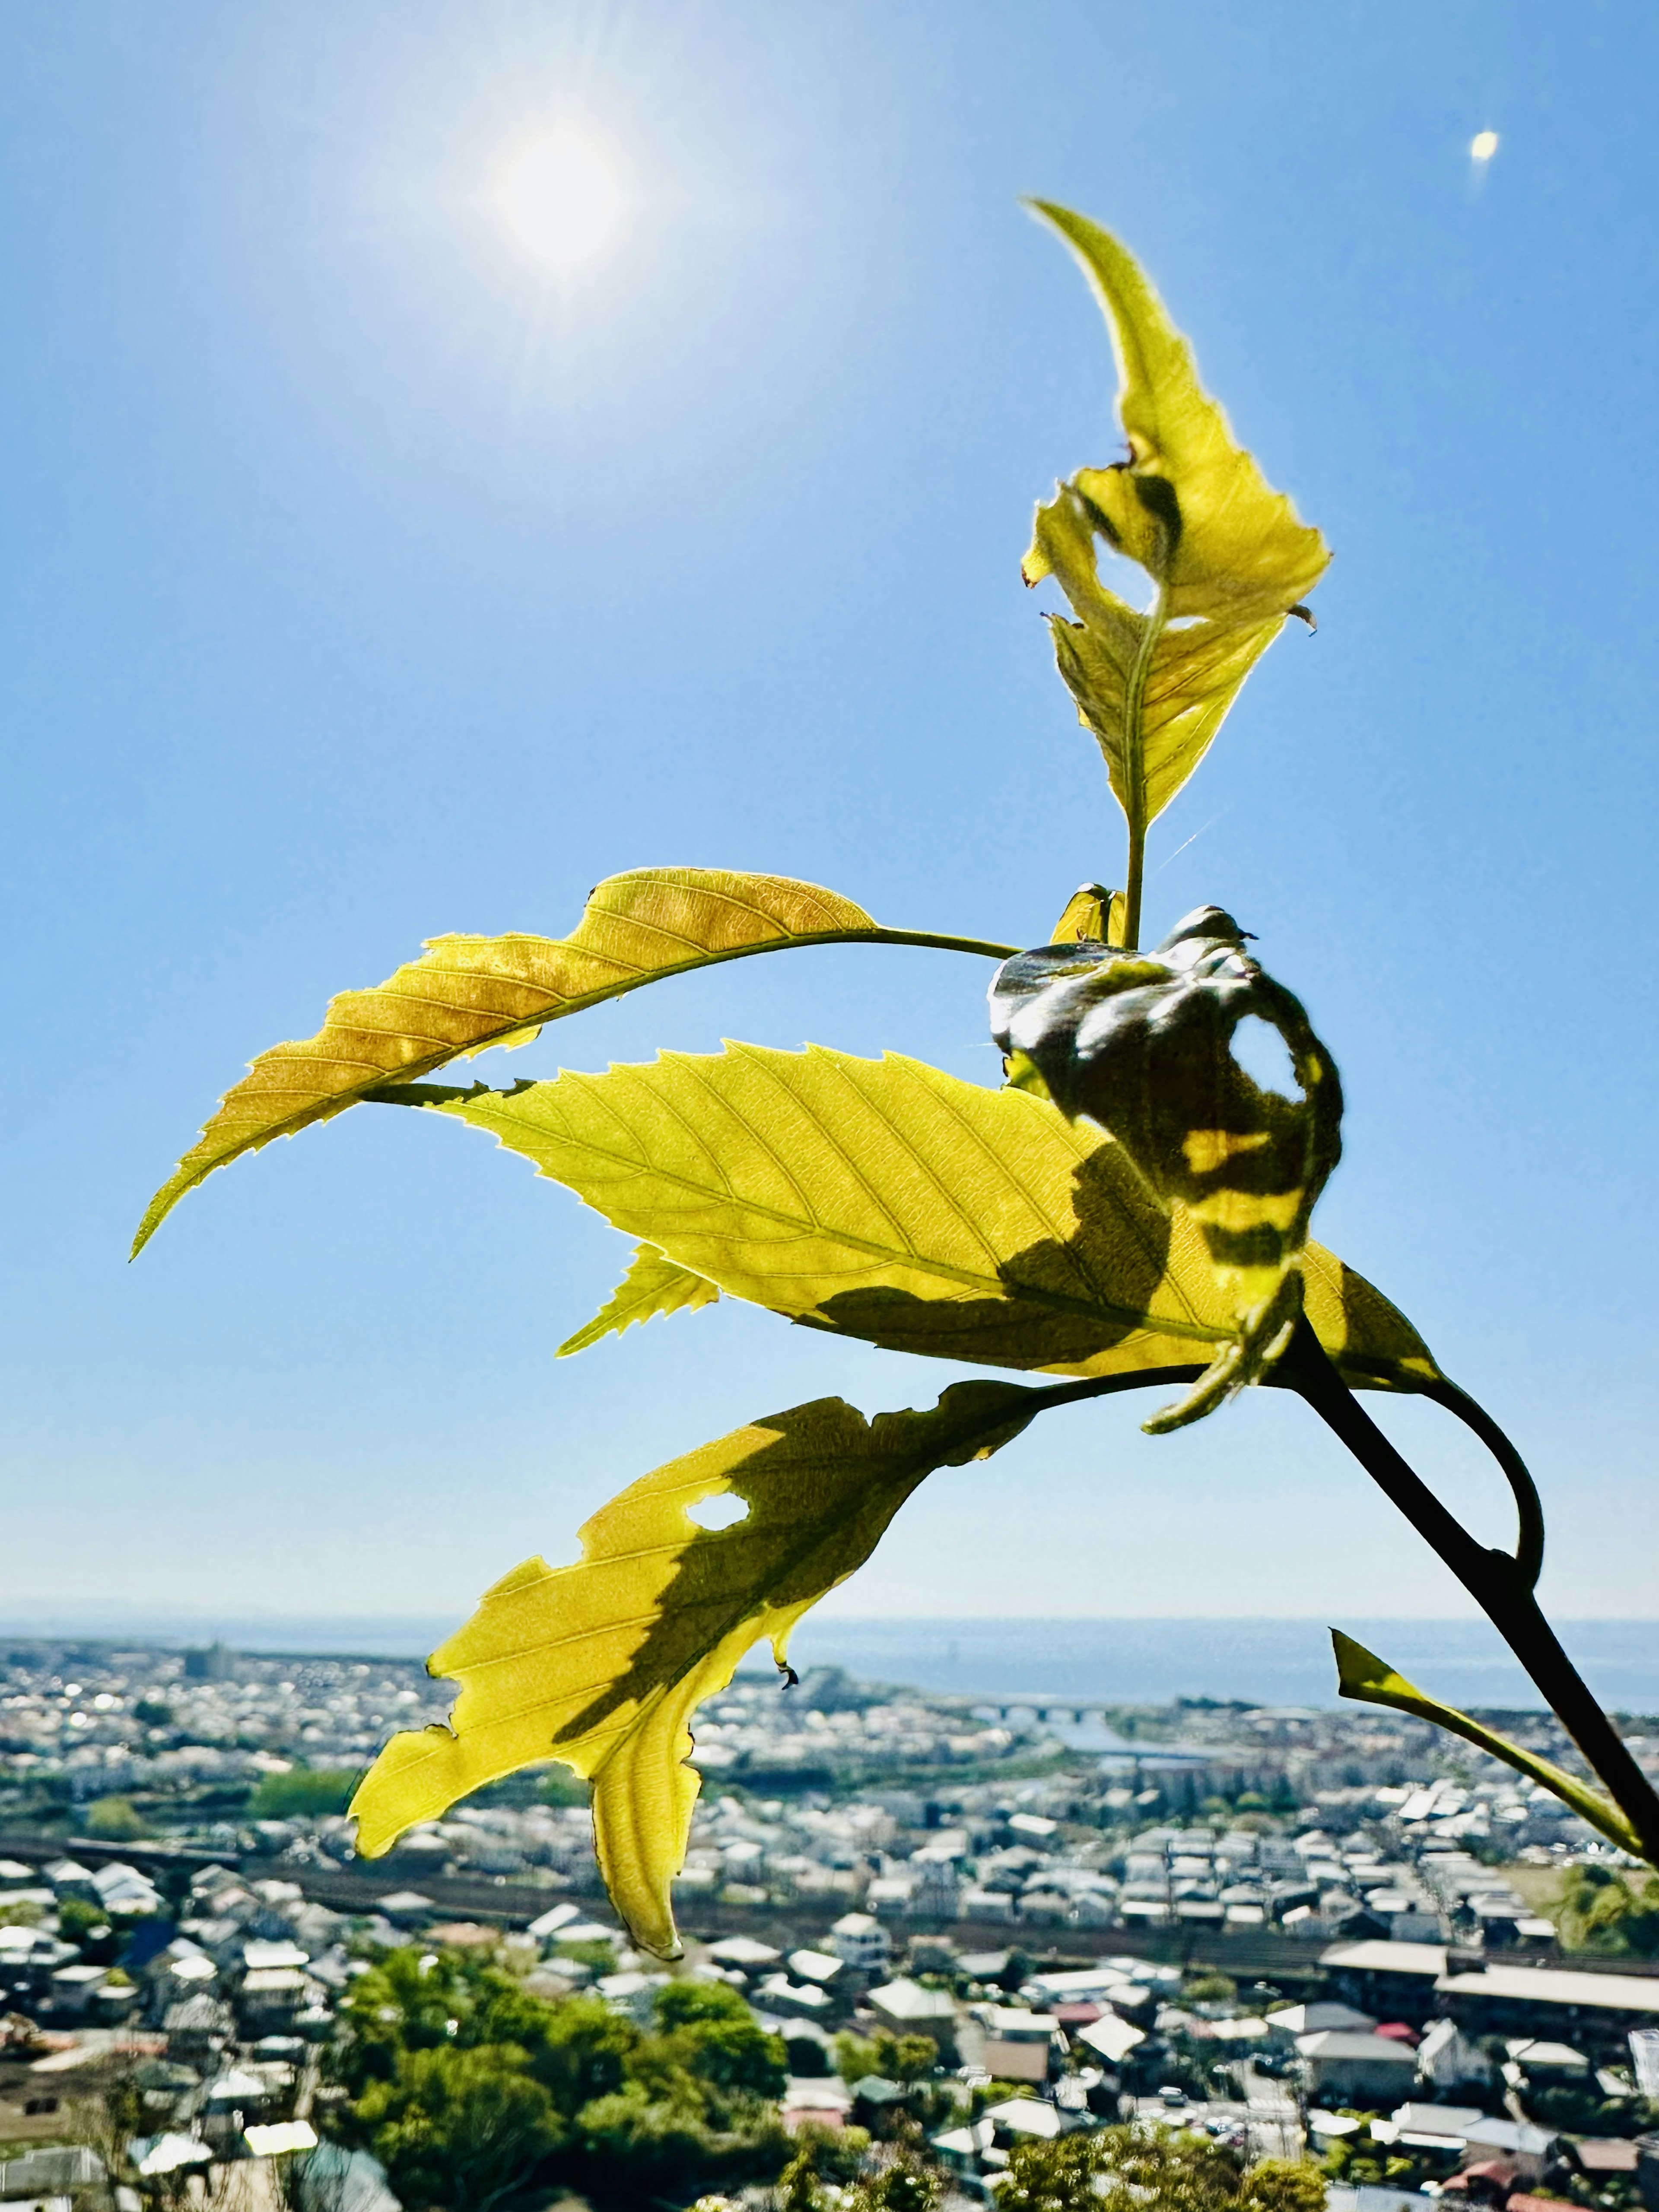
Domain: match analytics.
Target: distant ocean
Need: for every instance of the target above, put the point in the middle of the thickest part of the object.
(1270, 1662)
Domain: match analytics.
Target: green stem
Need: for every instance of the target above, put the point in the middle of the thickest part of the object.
(1497, 1583)
(1136, 871)
(982, 946)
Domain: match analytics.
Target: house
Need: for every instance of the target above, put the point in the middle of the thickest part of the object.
(961, 2150)
(1350, 2067)
(823, 2099)
(860, 1939)
(743, 1952)
(1080, 1984)
(198, 2028)
(1391, 1981)
(69, 1878)
(1529, 2150)
(269, 2000)
(545, 1928)
(264, 1956)
(1027, 2063)
(1021, 2118)
(805, 1999)
(230, 2101)
(122, 1888)
(819, 1966)
(1286, 2022)
(874, 2096)
(630, 1992)
(334, 2179)
(280, 2138)
(905, 2007)
(1020, 2045)
(977, 1903)
(71, 1990)
(49, 2172)
(1435, 2123)
(1556, 2061)
(1550, 2002)
(406, 1908)
(1111, 2038)
(1447, 2058)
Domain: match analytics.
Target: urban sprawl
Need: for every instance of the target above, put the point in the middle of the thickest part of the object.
(919, 1930)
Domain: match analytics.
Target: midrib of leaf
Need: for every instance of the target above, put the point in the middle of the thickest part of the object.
(635, 975)
(944, 1270)
(1134, 762)
(631, 976)
(756, 1608)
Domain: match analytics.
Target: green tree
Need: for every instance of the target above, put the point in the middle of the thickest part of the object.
(1283, 2184)
(905, 2059)
(405, 2003)
(1132, 1206)
(303, 1793)
(1600, 1910)
(459, 2128)
(623, 2111)
(561, 1788)
(1053, 2177)
(1211, 1989)
(1121, 2169)
(906, 2185)
(81, 1921)
(656, 2135)
(709, 2030)
(831, 2155)
(115, 1821)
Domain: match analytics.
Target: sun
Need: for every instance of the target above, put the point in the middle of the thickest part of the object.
(561, 199)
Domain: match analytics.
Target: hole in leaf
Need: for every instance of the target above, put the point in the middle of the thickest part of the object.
(1265, 1057)
(723, 1511)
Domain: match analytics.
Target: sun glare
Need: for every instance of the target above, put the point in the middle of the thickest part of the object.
(562, 199)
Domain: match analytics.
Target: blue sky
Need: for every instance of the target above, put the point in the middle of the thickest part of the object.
(365, 581)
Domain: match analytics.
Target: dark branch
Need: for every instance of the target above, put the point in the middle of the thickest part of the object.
(1498, 1584)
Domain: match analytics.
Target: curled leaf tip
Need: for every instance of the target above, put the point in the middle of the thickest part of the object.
(1142, 1043)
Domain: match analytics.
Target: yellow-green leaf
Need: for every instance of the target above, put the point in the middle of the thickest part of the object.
(1228, 555)
(466, 993)
(602, 1664)
(1362, 1675)
(652, 1285)
(1091, 913)
(888, 1200)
